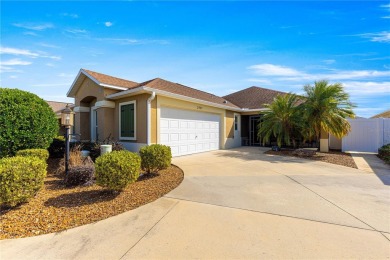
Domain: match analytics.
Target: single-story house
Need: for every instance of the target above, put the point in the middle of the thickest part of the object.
(163, 112)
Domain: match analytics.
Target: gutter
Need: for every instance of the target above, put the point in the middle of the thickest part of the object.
(149, 118)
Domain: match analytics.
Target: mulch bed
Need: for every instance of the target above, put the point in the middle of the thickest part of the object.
(334, 157)
(57, 207)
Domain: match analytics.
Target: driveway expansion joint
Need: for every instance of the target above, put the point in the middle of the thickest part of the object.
(276, 214)
(155, 224)
(334, 204)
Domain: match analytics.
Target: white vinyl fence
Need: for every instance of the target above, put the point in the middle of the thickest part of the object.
(367, 135)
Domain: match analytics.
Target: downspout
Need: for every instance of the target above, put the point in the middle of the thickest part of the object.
(149, 118)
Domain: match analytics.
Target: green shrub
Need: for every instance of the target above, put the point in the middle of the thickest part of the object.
(155, 157)
(20, 179)
(26, 121)
(40, 153)
(384, 153)
(117, 169)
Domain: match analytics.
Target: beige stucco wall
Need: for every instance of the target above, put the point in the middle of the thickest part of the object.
(229, 128)
(106, 123)
(88, 89)
(141, 124)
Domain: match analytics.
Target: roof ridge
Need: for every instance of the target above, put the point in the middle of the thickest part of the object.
(106, 75)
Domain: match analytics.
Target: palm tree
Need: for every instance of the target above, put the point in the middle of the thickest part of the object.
(282, 120)
(326, 108)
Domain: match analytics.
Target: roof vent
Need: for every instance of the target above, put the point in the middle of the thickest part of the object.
(225, 102)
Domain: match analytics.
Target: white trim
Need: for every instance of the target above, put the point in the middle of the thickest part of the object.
(81, 109)
(94, 120)
(112, 86)
(128, 92)
(135, 120)
(105, 103)
(73, 84)
(149, 118)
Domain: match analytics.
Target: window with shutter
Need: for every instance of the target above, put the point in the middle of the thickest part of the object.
(127, 122)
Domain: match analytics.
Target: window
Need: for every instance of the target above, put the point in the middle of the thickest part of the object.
(235, 123)
(127, 121)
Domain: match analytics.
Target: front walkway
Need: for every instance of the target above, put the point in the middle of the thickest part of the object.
(238, 204)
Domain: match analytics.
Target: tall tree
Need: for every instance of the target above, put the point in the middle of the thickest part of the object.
(326, 108)
(282, 120)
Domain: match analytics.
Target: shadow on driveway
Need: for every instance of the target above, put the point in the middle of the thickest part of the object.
(370, 163)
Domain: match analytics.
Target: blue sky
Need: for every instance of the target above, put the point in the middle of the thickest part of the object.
(219, 47)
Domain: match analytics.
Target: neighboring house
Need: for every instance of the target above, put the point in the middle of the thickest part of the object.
(385, 114)
(57, 108)
(163, 112)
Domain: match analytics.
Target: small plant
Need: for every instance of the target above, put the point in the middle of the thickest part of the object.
(116, 170)
(80, 175)
(384, 153)
(155, 157)
(75, 159)
(40, 153)
(20, 179)
(57, 147)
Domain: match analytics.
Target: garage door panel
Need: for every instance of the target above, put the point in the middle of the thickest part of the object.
(188, 132)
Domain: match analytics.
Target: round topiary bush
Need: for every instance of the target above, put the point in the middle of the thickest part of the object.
(40, 153)
(20, 179)
(117, 169)
(26, 120)
(155, 157)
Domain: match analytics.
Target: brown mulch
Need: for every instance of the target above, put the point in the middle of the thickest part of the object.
(334, 157)
(57, 207)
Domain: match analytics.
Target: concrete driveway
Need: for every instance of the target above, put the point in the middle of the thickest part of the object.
(239, 204)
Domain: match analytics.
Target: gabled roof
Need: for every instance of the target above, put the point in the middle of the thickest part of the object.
(385, 114)
(253, 97)
(100, 79)
(109, 80)
(179, 89)
(57, 107)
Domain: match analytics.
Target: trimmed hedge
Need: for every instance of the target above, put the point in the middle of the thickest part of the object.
(20, 179)
(26, 121)
(40, 153)
(155, 157)
(384, 153)
(116, 170)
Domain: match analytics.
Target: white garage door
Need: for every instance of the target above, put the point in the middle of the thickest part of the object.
(188, 132)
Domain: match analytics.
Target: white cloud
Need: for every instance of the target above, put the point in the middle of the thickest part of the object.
(66, 75)
(128, 41)
(377, 37)
(13, 77)
(14, 62)
(70, 15)
(14, 51)
(261, 81)
(49, 45)
(367, 88)
(50, 64)
(386, 6)
(34, 27)
(30, 33)
(328, 62)
(290, 74)
(27, 53)
(4, 69)
(386, 17)
(273, 70)
(108, 24)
